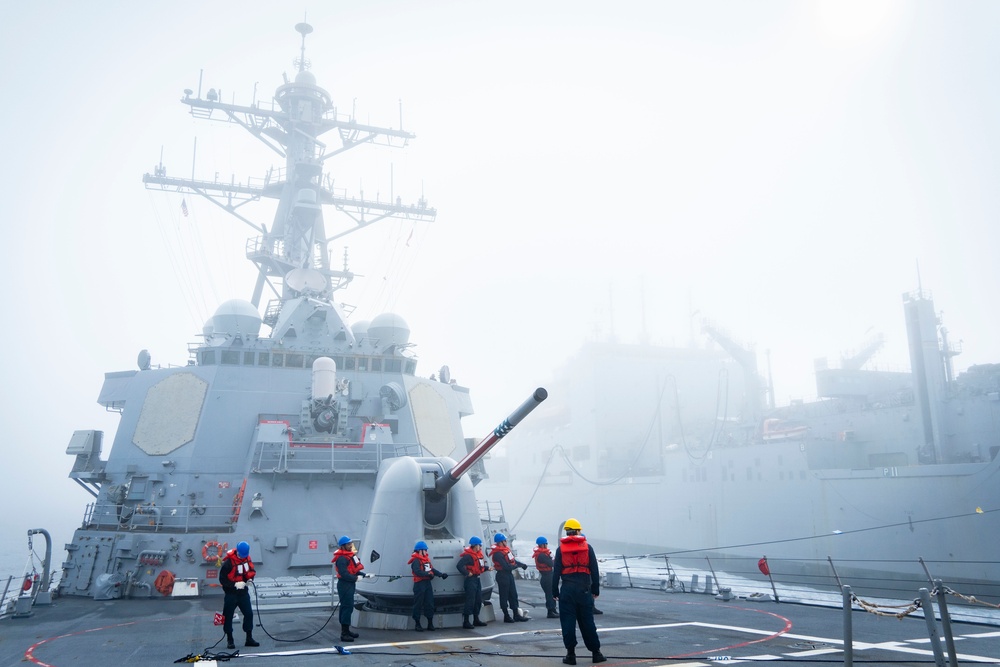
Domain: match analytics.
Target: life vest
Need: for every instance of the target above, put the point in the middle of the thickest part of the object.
(539, 551)
(425, 566)
(575, 555)
(242, 569)
(354, 565)
(505, 554)
(479, 564)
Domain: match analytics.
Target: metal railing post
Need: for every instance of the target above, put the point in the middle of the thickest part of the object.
(949, 637)
(627, 572)
(848, 628)
(708, 588)
(932, 631)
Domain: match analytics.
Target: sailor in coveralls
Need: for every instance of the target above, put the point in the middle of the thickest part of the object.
(348, 568)
(236, 571)
(576, 566)
(471, 564)
(423, 593)
(543, 563)
(505, 564)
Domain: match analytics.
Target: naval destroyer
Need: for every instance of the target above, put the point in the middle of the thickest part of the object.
(889, 477)
(288, 421)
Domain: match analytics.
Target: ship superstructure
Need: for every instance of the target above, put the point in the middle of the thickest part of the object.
(275, 429)
(676, 451)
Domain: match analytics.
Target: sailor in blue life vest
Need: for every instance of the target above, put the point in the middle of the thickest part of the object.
(236, 571)
(505, 564)
(575, 564)
(471, 564)
(543, 563)
(423, 593)
(349, 569)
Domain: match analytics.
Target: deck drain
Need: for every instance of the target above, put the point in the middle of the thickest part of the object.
(808, 646)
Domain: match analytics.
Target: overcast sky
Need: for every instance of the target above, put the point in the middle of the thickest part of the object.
(599, 169)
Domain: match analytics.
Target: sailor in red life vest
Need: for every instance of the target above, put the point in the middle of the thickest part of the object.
(348, 568)
(471, 564)
(236, 571)
(423, 593)
(505, 564)
(576, 565)
(543, 563)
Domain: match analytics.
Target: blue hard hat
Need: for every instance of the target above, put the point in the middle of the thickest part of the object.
(242, 549)
(541, 540)
(344, 541)
(420, 546)
(474, 540)
(499, 537)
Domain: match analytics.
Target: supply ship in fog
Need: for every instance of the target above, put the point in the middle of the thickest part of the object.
(889, 476)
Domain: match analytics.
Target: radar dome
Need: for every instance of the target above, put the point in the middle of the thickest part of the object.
(236, 316)
(389, 329)
(305, 76)
(360, 329)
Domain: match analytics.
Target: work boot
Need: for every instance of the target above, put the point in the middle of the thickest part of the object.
(477, 622)
(519, 618)
(466, 623)
(597, 611)
(506, 617)
(346, 637)
(346, 634)
(552, 614)
(570, 658)
(599, 657)
(430, 624)
(229, 640)
(250, 641)
(418, 627)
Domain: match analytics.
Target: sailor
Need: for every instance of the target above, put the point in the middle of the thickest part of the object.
(423, 593)
(236, 571)
(349, 568)
(505, 564)
(576, 565)
(543, 563)
(471, 564)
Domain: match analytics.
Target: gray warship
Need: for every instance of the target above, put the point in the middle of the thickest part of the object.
(282, 438)
(889, 477)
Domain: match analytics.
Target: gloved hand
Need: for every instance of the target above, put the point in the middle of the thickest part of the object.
(444, 575)
(240, 585)
(523, 566)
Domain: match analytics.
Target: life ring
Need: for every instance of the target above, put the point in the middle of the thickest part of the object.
(164, 582)
(28, 583)
(213, 551)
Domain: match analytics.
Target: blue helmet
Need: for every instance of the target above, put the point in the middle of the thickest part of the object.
(343, 541)
(474, 540)
(420, 546)
(499, 537)
(541, 540)
(242, 549)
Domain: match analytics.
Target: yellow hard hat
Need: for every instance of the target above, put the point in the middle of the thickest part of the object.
(572, 524)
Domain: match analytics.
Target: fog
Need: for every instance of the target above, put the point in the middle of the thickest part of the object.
(601, 171)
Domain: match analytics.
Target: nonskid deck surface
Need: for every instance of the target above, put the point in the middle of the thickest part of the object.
(637, 626)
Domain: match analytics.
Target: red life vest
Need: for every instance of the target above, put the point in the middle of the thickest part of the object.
(575, 554)
(354, 566)
(478, 561)
(242, 569)
(541, 566)
(504, 553)
(425, 566)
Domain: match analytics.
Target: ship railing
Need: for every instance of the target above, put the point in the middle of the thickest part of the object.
(885, 584)
(315, 458)
(147, 517)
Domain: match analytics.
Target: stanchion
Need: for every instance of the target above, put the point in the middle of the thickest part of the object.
(949, 637)
(932, 632)
(848, 629)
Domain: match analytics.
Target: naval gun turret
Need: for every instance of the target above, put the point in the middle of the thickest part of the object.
(429, 499)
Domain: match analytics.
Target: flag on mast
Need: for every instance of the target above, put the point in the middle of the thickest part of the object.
(184, 207)
(409, 238)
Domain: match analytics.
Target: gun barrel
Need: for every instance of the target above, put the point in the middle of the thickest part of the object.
(444, 484)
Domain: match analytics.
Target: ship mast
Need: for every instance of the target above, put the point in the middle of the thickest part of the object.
(301, 112)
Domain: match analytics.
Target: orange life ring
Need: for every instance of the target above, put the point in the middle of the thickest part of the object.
(28, 583)
(165, 582)
(219, 551)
